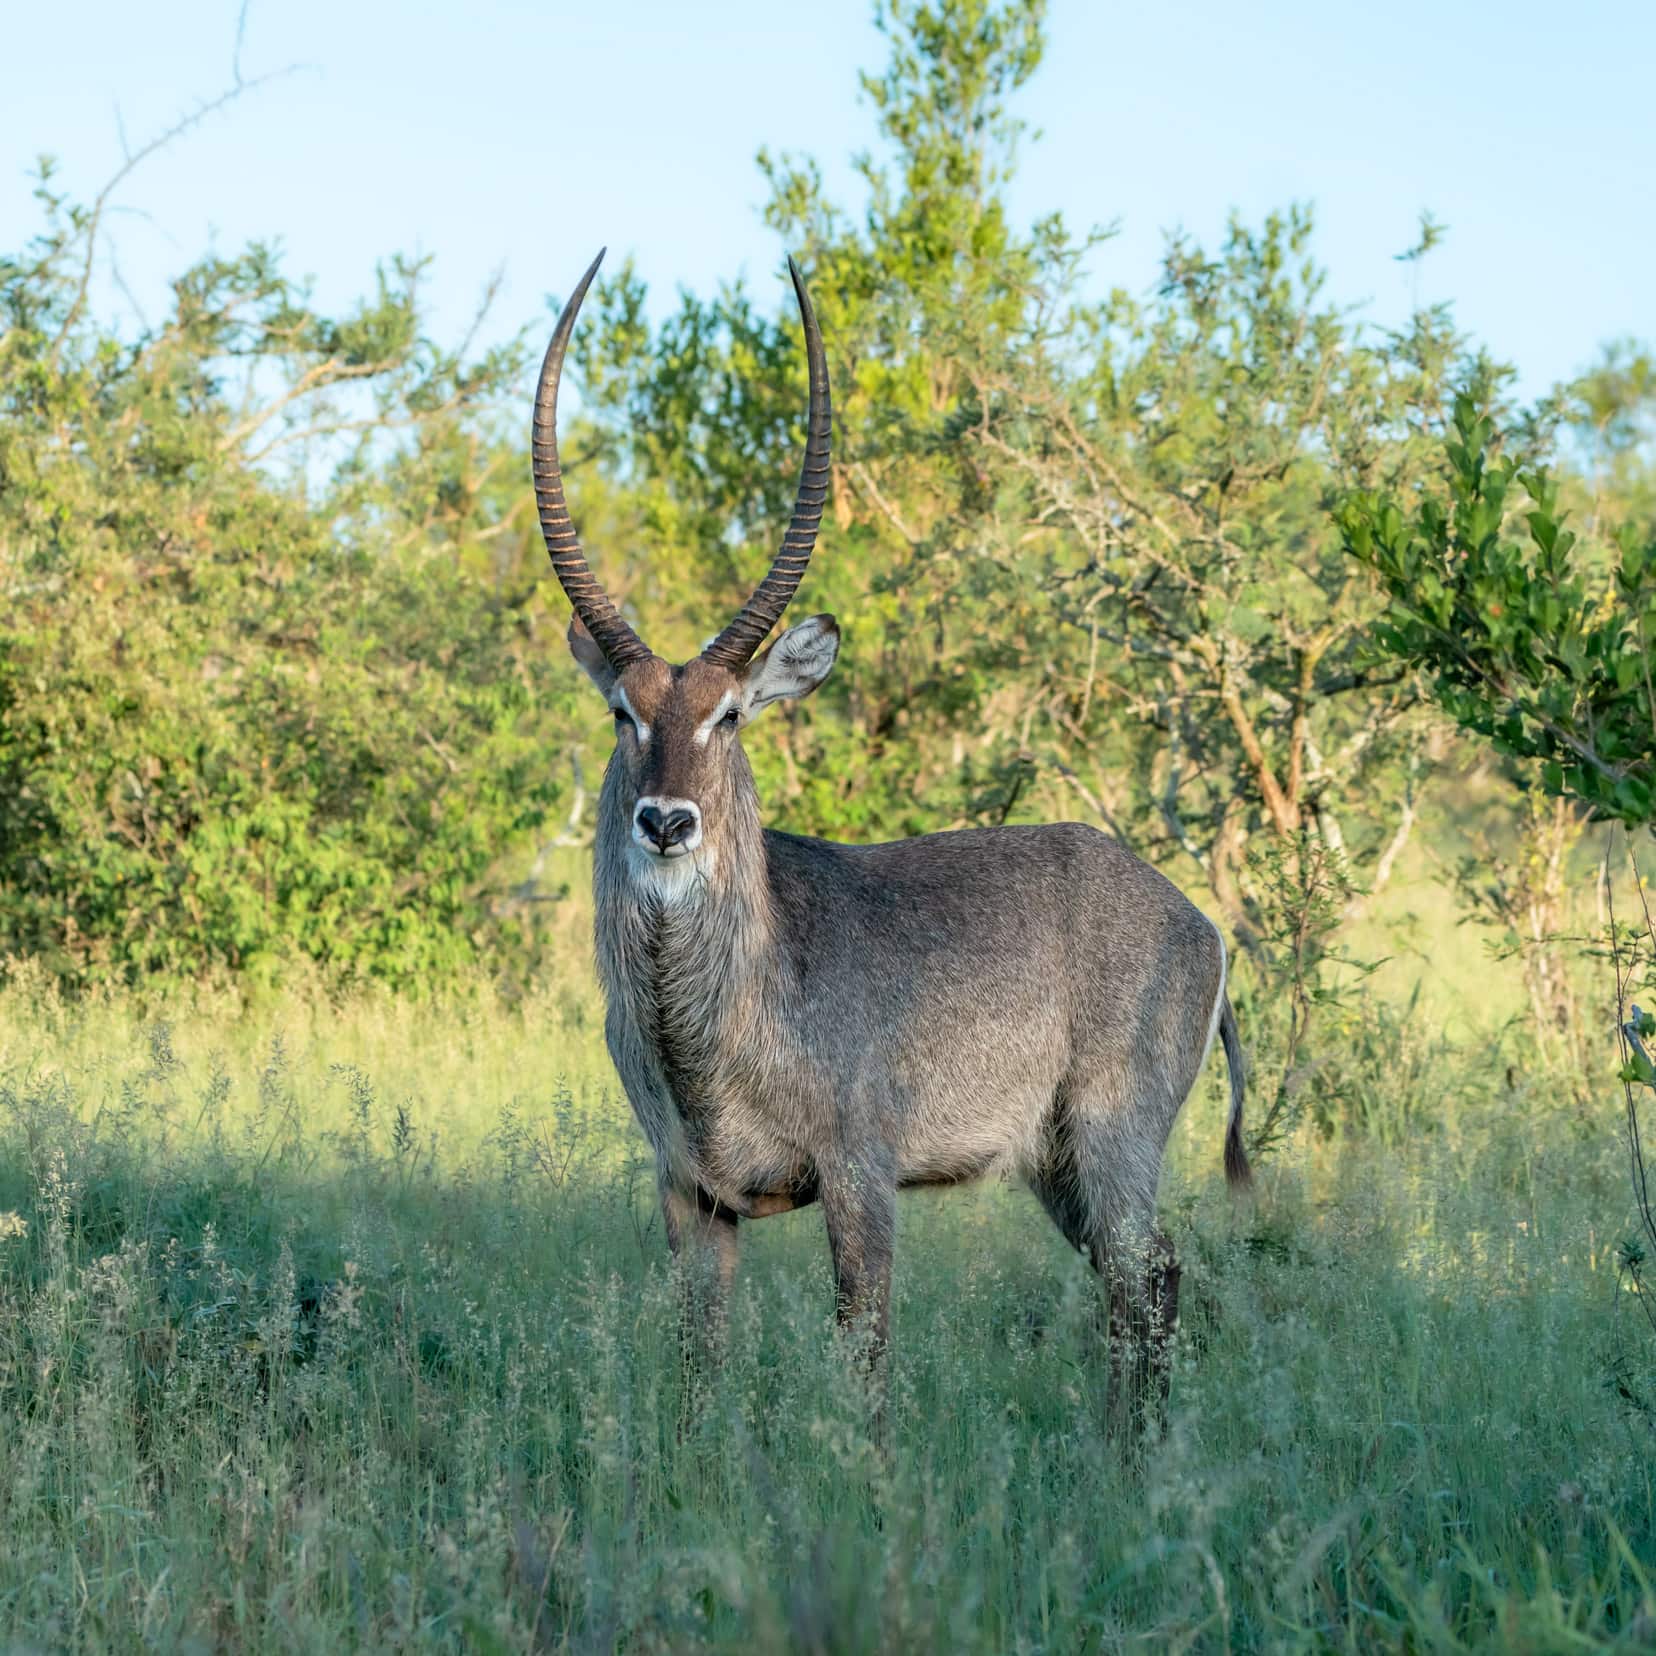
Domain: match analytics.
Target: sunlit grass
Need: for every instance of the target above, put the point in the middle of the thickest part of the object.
(331, 1326)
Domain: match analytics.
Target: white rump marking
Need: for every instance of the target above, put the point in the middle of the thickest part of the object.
(1218, 999)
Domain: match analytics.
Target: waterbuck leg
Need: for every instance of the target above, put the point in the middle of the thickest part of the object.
(702, 1235)
(1099, 1189)
(1143, 1275)
(860, 1205)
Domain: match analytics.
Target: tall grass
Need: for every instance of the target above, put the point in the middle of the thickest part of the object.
(349, 1326)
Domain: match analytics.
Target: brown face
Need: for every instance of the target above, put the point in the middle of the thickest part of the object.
(678, 747)
(676, 736)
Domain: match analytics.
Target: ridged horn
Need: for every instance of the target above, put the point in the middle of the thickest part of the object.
(620, 644)
(735, 646)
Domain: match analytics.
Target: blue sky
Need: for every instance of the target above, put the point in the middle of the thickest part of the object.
(523, 136)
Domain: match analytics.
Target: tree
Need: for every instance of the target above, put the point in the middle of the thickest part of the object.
(1177, 468)
(1085, 547)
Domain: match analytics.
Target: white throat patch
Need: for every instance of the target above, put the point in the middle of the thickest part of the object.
(671, 879)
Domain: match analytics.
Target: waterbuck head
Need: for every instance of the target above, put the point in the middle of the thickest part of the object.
(678, 777)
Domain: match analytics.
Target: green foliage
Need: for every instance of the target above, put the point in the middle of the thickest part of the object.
(1608, 416)
(1082, 549)
(1540, 644)
(1531, 642)
(1202, 679)
(254, 701)
(273, 678)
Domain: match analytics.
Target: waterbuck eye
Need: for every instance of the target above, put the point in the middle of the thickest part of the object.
(622, 716)
(732, 718)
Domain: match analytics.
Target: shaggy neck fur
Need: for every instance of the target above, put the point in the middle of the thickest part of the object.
(687, 953)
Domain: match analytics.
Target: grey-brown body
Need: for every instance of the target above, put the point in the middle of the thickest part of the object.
(799, 1021)
(933, 1009)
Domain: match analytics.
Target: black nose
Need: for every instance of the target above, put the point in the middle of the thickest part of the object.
(666, 830)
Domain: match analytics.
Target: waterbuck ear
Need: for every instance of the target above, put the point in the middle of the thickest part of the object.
(793, 666)
(584, 647)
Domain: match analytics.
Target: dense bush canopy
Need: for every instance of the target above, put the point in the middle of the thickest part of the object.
(280, 675)
(257, 696)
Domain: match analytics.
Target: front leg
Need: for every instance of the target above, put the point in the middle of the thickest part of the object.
(702, 1235)
(859, 1201)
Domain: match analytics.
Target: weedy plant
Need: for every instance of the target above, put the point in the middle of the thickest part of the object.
(329, 1326)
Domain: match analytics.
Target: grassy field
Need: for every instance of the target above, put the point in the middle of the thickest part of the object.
(331, 1327)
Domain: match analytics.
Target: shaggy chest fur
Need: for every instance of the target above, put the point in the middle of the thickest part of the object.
(679, 1019)
(697, 1039)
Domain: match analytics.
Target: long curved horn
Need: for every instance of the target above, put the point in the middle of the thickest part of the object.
(735, 646)
(620, 644)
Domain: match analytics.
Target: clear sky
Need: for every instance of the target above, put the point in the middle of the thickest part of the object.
(505, 133)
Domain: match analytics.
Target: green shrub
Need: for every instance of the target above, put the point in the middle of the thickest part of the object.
(255, 701)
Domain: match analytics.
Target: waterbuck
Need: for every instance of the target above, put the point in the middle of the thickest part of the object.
(798, 1021)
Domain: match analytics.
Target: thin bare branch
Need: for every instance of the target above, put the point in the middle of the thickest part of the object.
(133, 159)
(316, 378)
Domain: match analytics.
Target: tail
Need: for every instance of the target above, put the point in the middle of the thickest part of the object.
(1237, 1170)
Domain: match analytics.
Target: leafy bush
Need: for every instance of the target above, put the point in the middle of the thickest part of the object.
(255, 700)
(1530, 643)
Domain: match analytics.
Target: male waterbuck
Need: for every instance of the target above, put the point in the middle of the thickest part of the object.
(798, 1021)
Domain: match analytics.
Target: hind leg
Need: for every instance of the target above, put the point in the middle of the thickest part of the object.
(1097, 1179)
